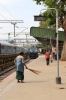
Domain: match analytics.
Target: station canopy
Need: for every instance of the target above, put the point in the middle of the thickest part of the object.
(42, 33)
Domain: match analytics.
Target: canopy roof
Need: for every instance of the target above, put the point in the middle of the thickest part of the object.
(38, 32)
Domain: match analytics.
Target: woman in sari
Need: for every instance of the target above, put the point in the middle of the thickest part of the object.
(19, 63)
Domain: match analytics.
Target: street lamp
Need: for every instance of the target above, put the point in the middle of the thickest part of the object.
(58, 79)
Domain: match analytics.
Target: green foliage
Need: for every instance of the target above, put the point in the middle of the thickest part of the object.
(41, 46)
(51, 14)
(53, 4)
(50, 19)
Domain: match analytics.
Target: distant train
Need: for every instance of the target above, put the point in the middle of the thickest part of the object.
(7, 48)
(33, 52)
(8, 52)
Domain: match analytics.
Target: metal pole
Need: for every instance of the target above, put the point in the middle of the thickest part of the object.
(14, 32)
(57, 43)
(8, 37)
(50, 40)
(26, 39)
(58, 79)
(50, 44)
(14, 23)
(21, 31)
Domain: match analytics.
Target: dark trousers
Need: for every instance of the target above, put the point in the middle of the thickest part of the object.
(47, 61)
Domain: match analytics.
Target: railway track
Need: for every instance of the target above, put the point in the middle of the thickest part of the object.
(6, 72)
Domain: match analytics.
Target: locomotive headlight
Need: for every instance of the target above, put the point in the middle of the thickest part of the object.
(30, 50)
(35, 50)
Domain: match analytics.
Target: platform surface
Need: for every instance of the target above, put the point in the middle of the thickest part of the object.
(36, 87)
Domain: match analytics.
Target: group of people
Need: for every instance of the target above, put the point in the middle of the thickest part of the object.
(20, 64)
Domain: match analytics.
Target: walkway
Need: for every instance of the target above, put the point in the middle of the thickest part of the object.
(36, 87)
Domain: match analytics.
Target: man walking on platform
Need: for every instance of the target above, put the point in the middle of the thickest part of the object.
(47, 56)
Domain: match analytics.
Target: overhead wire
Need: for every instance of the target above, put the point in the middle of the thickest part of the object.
(9, 13)
(4, 17)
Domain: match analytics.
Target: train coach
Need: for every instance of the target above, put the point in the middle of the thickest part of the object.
(7, 48)
(33, 52)
(8, 52)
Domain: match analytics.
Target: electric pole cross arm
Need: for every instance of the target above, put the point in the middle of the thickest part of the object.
(14, 22)
(11, 21)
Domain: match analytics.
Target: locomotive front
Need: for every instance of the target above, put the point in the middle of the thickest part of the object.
(33, 52)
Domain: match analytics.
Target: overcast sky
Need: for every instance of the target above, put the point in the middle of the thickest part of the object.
(18, 10)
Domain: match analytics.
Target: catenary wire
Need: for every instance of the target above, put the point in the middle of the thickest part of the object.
(8, 12)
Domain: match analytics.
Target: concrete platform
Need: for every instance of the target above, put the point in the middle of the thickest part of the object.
(36, 87)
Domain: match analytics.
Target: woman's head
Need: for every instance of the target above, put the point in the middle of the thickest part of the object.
(21, 53)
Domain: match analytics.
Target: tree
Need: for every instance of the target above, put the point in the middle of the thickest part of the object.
(61, 6)
(50, 20)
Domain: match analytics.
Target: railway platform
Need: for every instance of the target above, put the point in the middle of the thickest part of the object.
(36, 87)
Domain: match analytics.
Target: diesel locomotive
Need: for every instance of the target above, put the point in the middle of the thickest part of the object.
(33, 52)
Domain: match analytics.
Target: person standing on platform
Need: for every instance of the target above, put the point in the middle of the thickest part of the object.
(19, 63)
(47, 56)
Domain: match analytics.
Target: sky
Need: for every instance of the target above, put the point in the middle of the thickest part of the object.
(18, 10)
